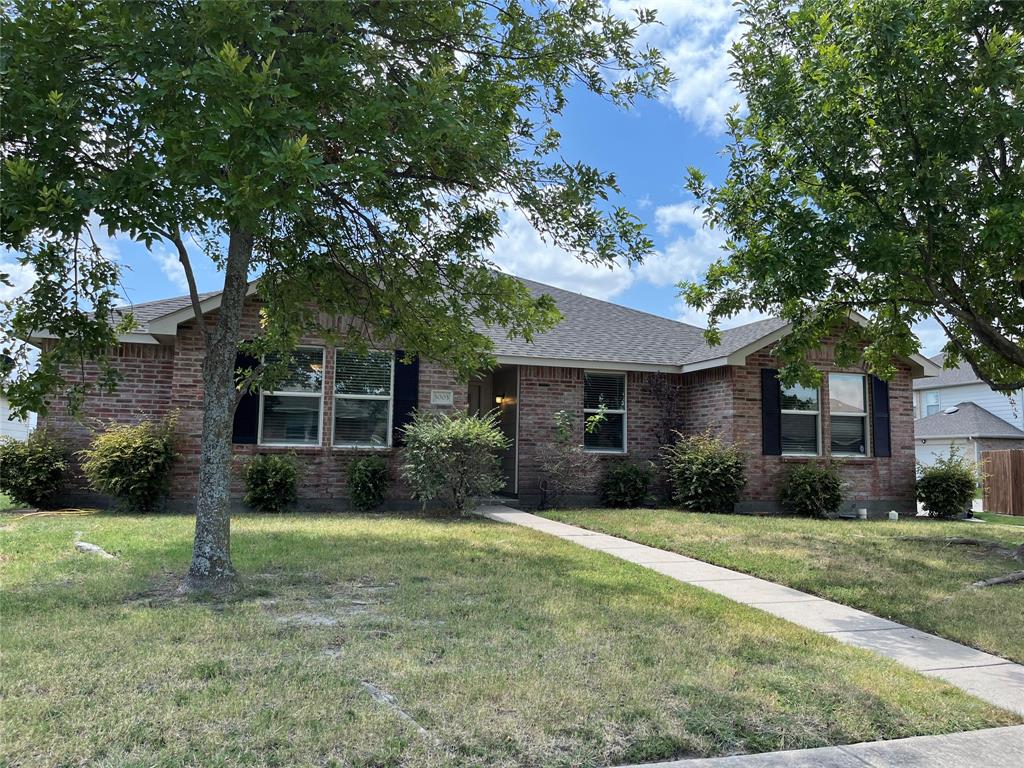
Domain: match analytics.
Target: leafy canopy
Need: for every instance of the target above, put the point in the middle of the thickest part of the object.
(879, 170)
(368, 148)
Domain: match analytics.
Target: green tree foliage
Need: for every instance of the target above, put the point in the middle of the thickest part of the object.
(356, 156)
(132, 463)
(453, 458)
(879, 170)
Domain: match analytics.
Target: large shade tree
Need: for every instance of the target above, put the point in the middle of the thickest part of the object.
(879, 170)
(357, 156)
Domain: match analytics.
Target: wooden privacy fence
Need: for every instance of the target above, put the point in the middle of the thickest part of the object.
(1003, 481)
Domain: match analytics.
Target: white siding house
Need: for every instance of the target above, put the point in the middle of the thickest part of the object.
(16, 428)
(961, 385)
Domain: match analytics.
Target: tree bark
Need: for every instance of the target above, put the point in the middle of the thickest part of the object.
(211, 568)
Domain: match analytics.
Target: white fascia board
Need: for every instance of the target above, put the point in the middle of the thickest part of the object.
(590, 365)
(124, 338)
(969, 437)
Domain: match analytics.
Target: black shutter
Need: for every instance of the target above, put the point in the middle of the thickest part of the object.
(880, 417)
(406, 395)
(245, 429)
(771, 412)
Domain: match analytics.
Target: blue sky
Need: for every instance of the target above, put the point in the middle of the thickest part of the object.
(647, 148)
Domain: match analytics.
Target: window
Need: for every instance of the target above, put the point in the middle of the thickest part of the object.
(848, 411)
(607, 390)
(931, 403)
(800, 420)
(363, 386)
(291, 413)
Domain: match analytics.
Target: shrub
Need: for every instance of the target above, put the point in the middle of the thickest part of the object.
(625, 484)
(565, 467)
(812, 489)
(453, 457)
(367, 482)
(132, 463)
(705, 474)
(271, 482)
(947, 487)
(32, 471)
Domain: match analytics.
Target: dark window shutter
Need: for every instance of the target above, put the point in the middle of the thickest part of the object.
(245, 429)
(406, 395)
(880, 433)
(771, 412)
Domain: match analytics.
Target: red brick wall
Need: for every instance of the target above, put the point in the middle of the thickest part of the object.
(886, 482)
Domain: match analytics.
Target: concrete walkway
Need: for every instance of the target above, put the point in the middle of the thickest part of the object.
(990, 748)
(990, 678)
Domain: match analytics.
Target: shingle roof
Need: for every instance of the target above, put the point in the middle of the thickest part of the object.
(968, 420)
(962, 374)
(735, 339)
(600, 331)
(591, 330)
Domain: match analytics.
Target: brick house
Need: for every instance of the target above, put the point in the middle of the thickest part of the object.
(654, 375)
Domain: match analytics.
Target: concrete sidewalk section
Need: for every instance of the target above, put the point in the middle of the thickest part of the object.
(990, 748)
(990, 678)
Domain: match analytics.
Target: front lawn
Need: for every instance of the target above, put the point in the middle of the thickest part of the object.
(509, 647)
(903, 571)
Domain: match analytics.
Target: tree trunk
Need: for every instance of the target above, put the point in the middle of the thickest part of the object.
(211, 568)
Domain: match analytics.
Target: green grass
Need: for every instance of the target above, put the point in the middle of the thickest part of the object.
(992, 517)
(903, 571)
(6, 503)
(510, 647)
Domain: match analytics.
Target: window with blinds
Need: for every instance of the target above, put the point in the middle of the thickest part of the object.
(291, 413)
(363, 391)
(605, 393)
(848, 414)
(799, 424)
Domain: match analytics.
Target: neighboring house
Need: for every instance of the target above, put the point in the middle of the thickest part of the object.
(652, 375)
(996, 421)
(966, 426)
(11, 427)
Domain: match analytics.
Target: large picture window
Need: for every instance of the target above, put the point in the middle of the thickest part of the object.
(363, 388)
(848, 414)
(605, 391)
(291, 413)
(800, 414)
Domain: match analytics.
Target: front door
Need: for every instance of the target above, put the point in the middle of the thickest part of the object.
(498, 391)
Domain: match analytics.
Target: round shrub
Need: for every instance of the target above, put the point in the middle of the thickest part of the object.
(946, 488)
(626, 484)
(271, 482)
(132, 463)
(32, 471)
(453, 457)
(705, 474)
(367, 482)
(810, 489)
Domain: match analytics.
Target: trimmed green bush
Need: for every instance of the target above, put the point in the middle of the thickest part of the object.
(946, 488)
(814, 490)
(32, 471)
(132, 463)
(367, 482)
(271, 482)
(626, 484)
(705, 474)
(453, 458)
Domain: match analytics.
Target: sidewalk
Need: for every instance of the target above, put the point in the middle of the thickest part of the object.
(990, 678)
(990, 748)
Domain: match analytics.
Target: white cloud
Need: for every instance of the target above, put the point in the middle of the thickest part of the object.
(688, 255)
(694, 36)
(691, 316)
(170, 266)
(22, 277)
(522, 252)
(932, 337)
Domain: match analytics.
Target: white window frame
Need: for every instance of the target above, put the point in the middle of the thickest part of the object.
(389, 397)
(928, 395)
(817, 420)
(864, 415)
(320, 394)
(591, 411)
